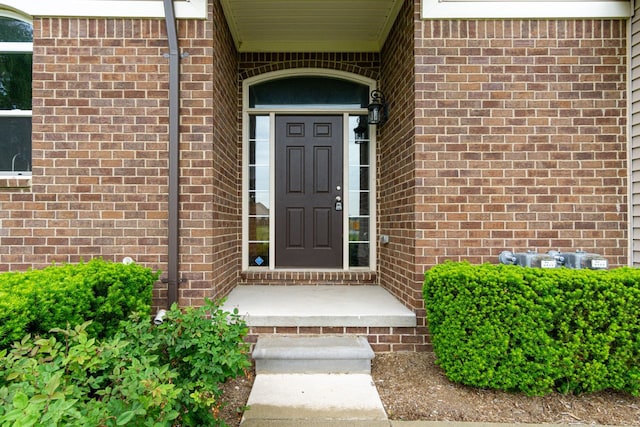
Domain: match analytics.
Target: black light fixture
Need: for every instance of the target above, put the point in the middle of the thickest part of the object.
(360, 131)
(378, 113)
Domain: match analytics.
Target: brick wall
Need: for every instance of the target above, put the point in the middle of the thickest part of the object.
(520, 138)
(254, 64)
(381, 339)
(100, 152)
(215, 230)
(502, 135)
(99, 120)
(346, 278)
(399, 271)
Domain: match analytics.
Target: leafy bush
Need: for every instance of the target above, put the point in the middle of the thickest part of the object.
(536, 330)
(204, 347)
(143, 376)
(37, 301)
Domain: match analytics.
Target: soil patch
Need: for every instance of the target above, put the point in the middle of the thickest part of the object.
(235, 395)
(412, 387)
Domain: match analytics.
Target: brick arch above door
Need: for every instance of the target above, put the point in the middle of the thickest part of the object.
(363, 64)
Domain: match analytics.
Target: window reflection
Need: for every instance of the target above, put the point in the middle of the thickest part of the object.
(259, 191)
(13, 30)
(15, 95)
(359, 203)
(309, 92)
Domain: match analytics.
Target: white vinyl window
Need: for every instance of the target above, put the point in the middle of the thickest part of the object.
(16, 57)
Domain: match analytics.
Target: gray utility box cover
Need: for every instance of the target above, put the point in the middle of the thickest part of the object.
(582, 259)
(528, 259)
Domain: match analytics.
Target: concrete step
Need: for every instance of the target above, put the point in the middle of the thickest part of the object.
(314, 400)
(313, 354)
(322, 305)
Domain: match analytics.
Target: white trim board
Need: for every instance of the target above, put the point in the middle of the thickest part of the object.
(107, 8)
(246, 112)
(527, 9)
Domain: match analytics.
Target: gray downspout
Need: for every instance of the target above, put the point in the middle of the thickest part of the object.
(174, 153)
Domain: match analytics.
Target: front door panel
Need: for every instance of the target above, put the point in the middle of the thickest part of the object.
(308, 181)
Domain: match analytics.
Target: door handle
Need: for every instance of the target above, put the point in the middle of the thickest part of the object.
(338, 203)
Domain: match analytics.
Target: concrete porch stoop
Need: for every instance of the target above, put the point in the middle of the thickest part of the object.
(325, 354)
(318, 306)
(316, 379)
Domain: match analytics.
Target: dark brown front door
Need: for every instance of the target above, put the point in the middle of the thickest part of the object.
(308, 184)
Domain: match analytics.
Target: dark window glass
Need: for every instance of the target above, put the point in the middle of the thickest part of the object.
(15, 95)
(308, 92)
(15, 81)
(12, 30)
(15, 144)
(359, 254)
(259, 254)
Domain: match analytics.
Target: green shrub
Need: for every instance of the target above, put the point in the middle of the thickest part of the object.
(143, 376)
(36, 301)
(535, 330)
(119, 290)
(204, 346)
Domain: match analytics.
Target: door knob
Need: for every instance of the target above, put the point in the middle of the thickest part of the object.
(338, 203)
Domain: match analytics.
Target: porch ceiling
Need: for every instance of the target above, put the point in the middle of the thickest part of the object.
(310, 25)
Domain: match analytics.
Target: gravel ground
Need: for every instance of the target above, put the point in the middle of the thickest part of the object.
(413, 388)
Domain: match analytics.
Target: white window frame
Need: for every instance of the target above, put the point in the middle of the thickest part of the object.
(16, 47)
(345, 184)
(526, 9)
(108, 8)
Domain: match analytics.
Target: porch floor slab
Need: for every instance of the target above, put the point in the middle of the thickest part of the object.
(322, 305)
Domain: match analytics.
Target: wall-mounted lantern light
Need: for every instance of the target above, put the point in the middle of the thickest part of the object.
(378, 113)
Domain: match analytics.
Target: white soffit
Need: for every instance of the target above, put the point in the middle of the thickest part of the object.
(310, 25)
(107, 8)
(449, 9)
